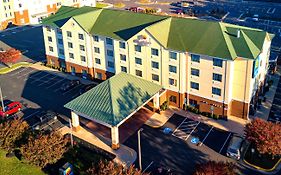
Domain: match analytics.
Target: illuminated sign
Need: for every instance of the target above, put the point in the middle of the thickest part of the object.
(142, 40)
(256, 65)
(66, 169)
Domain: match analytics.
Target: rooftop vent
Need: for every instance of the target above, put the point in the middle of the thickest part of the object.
(238, 33)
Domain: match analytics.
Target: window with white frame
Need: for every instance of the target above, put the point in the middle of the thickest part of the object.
(82, 47)
(139, 73)
(138, 61)
(122, 45)
(217, 77)
(154, 52)
(97, 61)
(83, 58)
(51, 49)
(194, 85)
(71, 55)
(69, 34)
(137, 48)
(154, 64)
(97, 50)
(217, 62)
(172, 82)
(96, 38)
(173, 55)
(124, 69)
(195, 72)
(172, 69)
(80, 36)
(216, 91)
(50, 39)
(122, 57)
(70, 45)
(195, 58)
(155, 77)
(109, 41)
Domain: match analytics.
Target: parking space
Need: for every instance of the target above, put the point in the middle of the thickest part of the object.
(37, 91)
(188, 129)
(275, 111)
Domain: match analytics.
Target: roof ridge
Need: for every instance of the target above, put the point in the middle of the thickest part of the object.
(227, 40)
(111, 101)
(250, 43)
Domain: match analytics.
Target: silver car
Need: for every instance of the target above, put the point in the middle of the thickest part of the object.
(234, 146)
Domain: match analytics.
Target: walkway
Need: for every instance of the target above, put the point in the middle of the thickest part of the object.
(233, 124)
(124, 154)
(264, 110)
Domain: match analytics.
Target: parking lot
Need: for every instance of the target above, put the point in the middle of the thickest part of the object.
(176, 150)
(275, 112)
(37, 91)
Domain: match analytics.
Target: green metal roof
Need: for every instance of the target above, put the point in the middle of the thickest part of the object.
(215, 39)
(114, 99)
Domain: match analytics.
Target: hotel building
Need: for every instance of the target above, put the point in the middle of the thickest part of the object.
(216, 67)
(22, 12)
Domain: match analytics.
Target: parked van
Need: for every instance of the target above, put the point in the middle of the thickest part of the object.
(234, 146)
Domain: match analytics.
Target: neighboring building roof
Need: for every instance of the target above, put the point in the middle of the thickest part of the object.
(114, 99)
(210, 38)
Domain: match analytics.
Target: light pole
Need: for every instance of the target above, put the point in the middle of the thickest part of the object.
(139, 147)
(3, 107)
(71, 133)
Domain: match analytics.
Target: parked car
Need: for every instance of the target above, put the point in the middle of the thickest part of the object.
(86, 88)
(11, 107)
(69, 85)
(234, 146)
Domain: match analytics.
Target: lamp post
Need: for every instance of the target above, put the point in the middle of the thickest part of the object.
(71, 133)
(3, 107)
(139, 147)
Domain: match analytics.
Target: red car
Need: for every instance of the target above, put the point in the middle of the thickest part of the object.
(10, 108)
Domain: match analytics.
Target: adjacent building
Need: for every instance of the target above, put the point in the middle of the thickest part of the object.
(216, 67)
(21, 12)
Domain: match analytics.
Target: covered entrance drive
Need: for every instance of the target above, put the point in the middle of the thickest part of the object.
(113, 102)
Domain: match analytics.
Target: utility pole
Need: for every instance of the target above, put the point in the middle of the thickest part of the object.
(139, 147)
(3, 107)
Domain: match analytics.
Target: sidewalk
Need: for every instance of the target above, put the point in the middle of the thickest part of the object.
(124, 154)
(233, 124)
(264, 110)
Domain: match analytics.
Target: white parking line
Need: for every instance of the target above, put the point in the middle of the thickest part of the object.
(30, 115)
(71, 89)
(34, 75)
(206, 136)
(55, 83)
(40, 78)
(192, 131)
(18, 72)
(45, 82)
(178, 126)
(225, 142)
(25, 73)
(147, 167)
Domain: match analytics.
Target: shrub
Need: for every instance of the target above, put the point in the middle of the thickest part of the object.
(164, 106)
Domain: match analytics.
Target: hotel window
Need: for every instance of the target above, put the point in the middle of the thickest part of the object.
(70, 45)
(138, 61)
(50, 39)
(124, 69)
(109, 53)
(195, 58)
(217, 77)
(98, 75)
(81, 36)
(137, 48)
(122, 57)
(109, 41)
(154, 52)
(110, 64)
(69, 34)
(172, 69)
(155, 64)
(155, 77)
(172, 82)
(97, 60)
(71, 55)
(96, 38)
(195, 72)
(122, 45)
(60, 41)
(83, 58)
(173, 55)
(61, 51)
(51, 49)
(97, 50)
(59, 31)
(82, 48)
(194, 85)
(216, 91)
(139, 73)
(173, 99)
(217, 62)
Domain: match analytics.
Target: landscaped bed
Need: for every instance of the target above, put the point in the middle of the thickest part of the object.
(82, 156)
(13, 165)
(261, 161)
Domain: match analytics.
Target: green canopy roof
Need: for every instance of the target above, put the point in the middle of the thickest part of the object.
(215, 39)
(114, 99)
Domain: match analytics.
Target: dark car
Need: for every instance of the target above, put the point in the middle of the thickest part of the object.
(69, 85)
(86, 88)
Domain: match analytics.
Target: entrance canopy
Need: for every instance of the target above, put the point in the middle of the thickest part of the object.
(115, 99)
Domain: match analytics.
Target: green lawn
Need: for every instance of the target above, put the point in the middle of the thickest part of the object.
(13, 67)
(16, 167)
